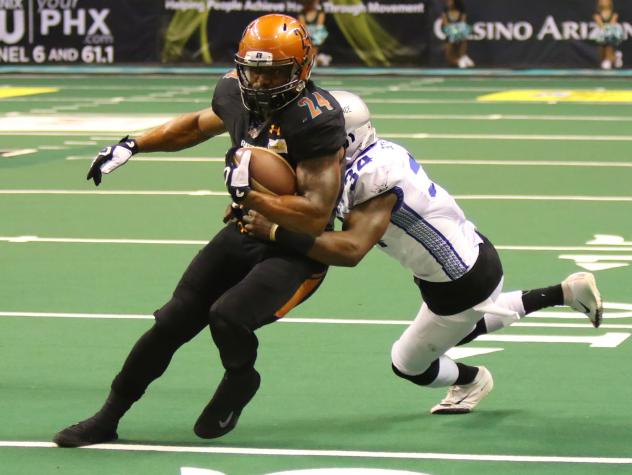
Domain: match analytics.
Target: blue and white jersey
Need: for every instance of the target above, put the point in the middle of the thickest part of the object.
(428, 232)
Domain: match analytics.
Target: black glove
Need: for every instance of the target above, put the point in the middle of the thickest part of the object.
(112, 157)
(237, 175)
(234, 212)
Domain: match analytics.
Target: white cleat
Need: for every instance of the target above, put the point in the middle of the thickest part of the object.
(581, 294)
(463, 399)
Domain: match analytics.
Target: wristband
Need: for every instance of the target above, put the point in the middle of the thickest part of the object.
(272, 233)
(134, 145)
(299, 242)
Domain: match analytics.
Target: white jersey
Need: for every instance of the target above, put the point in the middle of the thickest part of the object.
(428, 232)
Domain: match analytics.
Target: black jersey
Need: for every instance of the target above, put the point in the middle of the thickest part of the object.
(309, 127)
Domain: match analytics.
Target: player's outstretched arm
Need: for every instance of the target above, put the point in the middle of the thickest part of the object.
(309, 211)
(182, 132)
(363, 228)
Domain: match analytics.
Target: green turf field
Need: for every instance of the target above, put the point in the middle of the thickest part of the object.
(548, 181)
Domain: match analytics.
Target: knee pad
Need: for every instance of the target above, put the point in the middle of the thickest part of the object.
(424, 379)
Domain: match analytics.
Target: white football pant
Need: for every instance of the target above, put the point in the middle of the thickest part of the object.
(431, 335)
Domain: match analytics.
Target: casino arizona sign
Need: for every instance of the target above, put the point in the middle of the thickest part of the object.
(525, 30)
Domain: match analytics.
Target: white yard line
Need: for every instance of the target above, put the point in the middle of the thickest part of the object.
(206, 99)
(539, 137)
(543, 198)
(27, 238)
(413, 100)
(101, 100)
(476, 117)
(23, 239)
(77, 142)
(416, 135)
(529, 163)
(102, 87)
(174, 159)
(76, 133)
(116, 192)
(223, 193)
(495, 117)
(69, 133)
(535, 163)
(324, 321)
(334, 453)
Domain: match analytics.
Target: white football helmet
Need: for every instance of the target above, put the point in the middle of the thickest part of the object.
(360, 132)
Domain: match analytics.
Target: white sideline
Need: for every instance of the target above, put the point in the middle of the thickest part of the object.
(333, 453)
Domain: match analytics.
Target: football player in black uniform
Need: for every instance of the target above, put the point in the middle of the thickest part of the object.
(236, 284)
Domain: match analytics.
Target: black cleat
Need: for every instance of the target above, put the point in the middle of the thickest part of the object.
(88, 432)
(220, 415)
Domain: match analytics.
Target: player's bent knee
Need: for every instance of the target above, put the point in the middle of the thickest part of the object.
(424, 379)
(237, 344)
(401, 357)
(180, 319)
(226, 331)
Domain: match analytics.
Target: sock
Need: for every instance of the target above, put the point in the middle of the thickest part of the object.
(467, 374)
(447, 375)
(537, 299)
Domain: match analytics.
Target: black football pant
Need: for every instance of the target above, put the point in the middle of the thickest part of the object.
(235, 285)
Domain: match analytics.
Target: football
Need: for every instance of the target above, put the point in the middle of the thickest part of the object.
(269, 172)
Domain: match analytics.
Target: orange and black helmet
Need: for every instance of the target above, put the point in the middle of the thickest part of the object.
(277, 46)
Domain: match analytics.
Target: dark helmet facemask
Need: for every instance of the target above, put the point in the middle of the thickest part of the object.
(264, 101)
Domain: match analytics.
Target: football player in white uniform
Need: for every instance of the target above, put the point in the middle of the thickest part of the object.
(389, 201)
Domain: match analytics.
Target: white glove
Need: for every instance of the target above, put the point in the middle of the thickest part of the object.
(237, 176)
(112, 157)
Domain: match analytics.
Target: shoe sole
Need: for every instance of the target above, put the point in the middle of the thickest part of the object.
(592, 285)
(208, 426)
(68, 442)
(485, 390)
(450, 410)
(204, 431)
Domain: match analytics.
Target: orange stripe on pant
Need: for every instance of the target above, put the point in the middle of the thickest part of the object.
(306, 289)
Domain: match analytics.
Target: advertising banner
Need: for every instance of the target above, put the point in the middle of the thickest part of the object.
(79, 31)
(379, 33)
(534, 33)
(373, 33)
